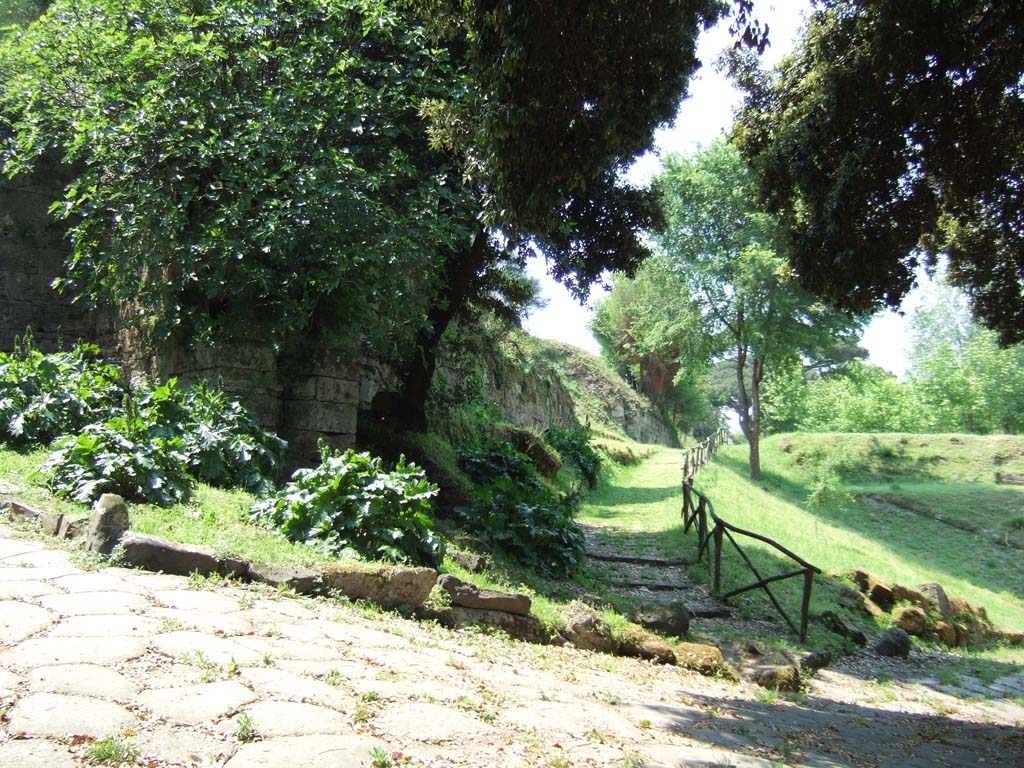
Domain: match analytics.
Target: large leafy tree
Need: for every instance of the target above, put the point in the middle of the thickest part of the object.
(893, 134)
(736, 295)
(345, 171)
(256, 168)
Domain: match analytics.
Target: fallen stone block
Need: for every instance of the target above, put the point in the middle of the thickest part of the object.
(23, 512)
(526, 628)
(586, 629)
(706, 659)
(672, 619)
(303, 581)
(156, 554)
(50, 523)
(912, 620)
(390, 586)
(468, 595)
(643, 645)
(778, 677)
(936, 597)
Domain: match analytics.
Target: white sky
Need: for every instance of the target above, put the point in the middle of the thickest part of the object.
(703, 117)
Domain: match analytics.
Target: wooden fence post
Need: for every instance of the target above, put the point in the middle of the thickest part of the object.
(717, 533)
(805, 604)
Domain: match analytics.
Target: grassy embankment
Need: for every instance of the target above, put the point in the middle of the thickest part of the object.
(960, 534)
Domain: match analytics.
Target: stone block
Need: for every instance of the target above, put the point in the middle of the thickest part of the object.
(778, 677)
(936, 597)
(643, 645)
(469, 595)
(73, 527)
(893, 642)
(331, 418)
(335, 390)
(109, 521)
(673, 619)
(706, 659)
(529, 629)
(50, 523)
(156, 554)
(911, 619)
(301, 580)
(23, 512)
(390, 586)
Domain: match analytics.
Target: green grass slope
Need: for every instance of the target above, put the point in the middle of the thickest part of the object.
(909, 508)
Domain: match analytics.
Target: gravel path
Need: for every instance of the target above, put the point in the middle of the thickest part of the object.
(244, 677)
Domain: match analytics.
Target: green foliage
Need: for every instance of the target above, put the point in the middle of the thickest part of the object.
(158, 442)
(514, 511)
(351, 505)
(272, 163)
(46, 395)
(574, 445)
(894, 132)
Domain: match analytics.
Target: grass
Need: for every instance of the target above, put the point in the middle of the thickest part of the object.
(110, 751)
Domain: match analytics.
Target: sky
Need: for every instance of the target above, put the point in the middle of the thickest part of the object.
(703, 117)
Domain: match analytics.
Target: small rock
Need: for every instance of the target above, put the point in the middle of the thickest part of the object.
(944, 633)
(840, 627)
(586, 629)
(23, 512)
(893, 642)
(814, 660)
(936, 597)
(643, 645)
(109, 522)
(902, 594)
(469, 595)
(672, 619)
(73, 527)
(912, 620)
(778, 678)
(471, 561)
(876, 590)
(706, 659)
(50, 522)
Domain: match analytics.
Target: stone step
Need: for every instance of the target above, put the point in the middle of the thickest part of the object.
(636, 560)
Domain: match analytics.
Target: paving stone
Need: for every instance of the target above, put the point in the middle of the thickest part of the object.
(98, 582)
(58, 716)
(196, 600)
(125, 625)
(82, 680)
(279, 684)
(307, 752)
(415, 722)
(33, 573)
(97, 603)
(282, 648)
(9, 683)
(73, 650)
(288, 718)
(229, 624)
(21, 590)
(14, 547)
(21, 620)
(35, 753)
(183, 745)
(147, 580)
(215, 650)
(42, 558)
(196, 703)
(293, 608)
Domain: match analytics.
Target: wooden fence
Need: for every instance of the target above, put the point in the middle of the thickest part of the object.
(696, 457)
(698, 510)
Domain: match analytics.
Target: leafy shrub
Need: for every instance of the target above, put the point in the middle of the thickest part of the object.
(121, 455)
(574, 445)
(162, 439)
(351, 505)
(516, 512)
(46, 395)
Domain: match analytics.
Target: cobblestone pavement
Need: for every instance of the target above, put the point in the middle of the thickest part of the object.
(243, 677)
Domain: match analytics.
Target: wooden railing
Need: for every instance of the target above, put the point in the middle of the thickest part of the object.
(696, 457)
(698, 510)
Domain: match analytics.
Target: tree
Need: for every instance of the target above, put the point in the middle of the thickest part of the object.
(960, 375)
(893, 134)
(720, 251)
(345, 172)
(256, 169)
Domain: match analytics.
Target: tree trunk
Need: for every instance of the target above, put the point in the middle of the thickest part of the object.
(754, 438)
(408, 411)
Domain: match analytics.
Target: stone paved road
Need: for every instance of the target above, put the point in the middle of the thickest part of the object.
(242, 677)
